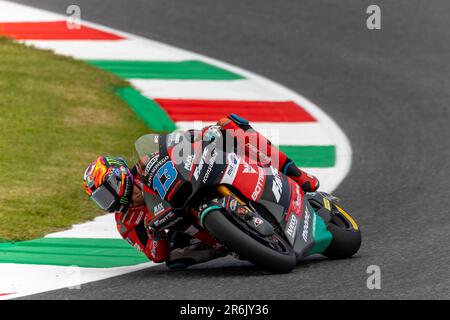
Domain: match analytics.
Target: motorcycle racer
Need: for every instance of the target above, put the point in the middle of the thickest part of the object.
(114, 187)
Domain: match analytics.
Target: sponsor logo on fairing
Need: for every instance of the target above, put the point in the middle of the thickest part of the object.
(199, 167)
(314, 225)
(259, 185)
(210, 166)
(277, 184)
(231, 170)
(298, 200)
(306, 223)
(150, 164)
(158, 209)
(248, 168)
(233, 204)
(167, 221)
(152, 167)
(258, 221)
(188, 162)
(292, 226)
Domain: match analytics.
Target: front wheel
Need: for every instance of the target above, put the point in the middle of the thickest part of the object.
(346, 236)
(276, 256)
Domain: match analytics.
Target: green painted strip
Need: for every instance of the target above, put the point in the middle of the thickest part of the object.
(191, 69)
(311, 156)
(148, 110)
(322, 236)
(89, 253)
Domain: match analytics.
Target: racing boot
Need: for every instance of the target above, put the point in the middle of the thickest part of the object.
(188, 250)
(307, 182)
(182, 258)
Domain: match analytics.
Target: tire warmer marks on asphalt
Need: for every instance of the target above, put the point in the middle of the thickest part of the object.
(174, 88)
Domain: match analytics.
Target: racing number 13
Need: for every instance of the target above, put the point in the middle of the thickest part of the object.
(164, 178)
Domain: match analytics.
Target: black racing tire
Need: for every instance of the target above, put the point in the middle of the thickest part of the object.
(345, 243)
(247, 247)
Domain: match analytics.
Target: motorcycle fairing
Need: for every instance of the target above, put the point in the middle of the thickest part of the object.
(280, 195)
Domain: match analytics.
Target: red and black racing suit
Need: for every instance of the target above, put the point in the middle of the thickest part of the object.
(139, 227)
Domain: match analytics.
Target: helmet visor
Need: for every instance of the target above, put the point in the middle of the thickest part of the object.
(103, 198)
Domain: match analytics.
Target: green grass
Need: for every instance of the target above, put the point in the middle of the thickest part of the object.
(56, 116)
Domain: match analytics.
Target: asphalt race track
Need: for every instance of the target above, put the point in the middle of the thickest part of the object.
(388, 89)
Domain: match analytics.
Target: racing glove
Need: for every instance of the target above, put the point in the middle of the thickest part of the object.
(132, 227)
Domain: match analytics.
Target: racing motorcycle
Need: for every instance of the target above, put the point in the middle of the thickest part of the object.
(255, 211)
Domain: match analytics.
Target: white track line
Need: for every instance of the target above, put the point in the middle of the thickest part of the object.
(102, 227)
(28, 279)
(12, 12)
(215, 90)
(128, 49)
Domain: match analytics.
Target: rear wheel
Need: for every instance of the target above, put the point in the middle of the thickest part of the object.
(272, 253)
(346, 235)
